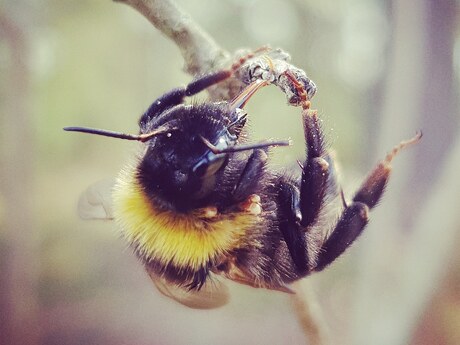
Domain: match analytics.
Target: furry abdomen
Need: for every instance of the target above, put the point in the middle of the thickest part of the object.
(180, 247)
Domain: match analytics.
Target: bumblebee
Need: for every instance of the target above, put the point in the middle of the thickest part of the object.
(200, 201)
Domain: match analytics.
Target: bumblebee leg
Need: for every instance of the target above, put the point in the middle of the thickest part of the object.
(315, 172)
(251, 205)
(176, 96)
(373, 187)
(207, 80)
(230, 270)
(208, 212)
(289, 199)
(350, 225)
(355, 216)
(253, 170)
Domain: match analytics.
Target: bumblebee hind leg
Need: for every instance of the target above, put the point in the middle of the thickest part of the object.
(355, 216)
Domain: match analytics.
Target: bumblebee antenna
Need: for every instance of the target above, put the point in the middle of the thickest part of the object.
(119, 135)
(246, 147)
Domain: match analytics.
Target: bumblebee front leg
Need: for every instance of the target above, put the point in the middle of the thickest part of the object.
(247, 184)
(176, 96)
(355, 216)
(289, 224)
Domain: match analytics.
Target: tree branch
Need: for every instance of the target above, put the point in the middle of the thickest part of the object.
(199, 50)
(308, 313)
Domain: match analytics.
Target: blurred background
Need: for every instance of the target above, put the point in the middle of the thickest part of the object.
(384, 70)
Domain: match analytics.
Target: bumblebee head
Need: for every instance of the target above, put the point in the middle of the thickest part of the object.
(193, 147)
(186, 147)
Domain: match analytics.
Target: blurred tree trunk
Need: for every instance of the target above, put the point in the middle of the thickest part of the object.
(397, 258)
(18, 283)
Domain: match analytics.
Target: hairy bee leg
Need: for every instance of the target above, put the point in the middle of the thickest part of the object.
(231, 271)
(252, 171)
(245, 187)
(350, 225)
(355, 216)
(251, 205)
(289, 199)
(176, 96)
(315, 172)
(374, 185)
(207, 80)
(206, 212)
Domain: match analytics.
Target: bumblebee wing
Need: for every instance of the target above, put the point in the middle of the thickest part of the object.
(96, 201)
(213, 294)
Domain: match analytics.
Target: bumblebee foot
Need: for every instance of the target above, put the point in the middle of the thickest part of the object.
(401, 146)
(251, 205)
(207, 212)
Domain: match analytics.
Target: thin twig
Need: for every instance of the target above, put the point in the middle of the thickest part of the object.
(199, 50)
(309, 313)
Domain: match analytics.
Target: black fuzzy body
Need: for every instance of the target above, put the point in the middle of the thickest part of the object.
(303, 225)
(264, 260)
(196, 169)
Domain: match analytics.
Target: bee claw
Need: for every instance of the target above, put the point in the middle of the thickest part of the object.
(208, 212)
(252, 205)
